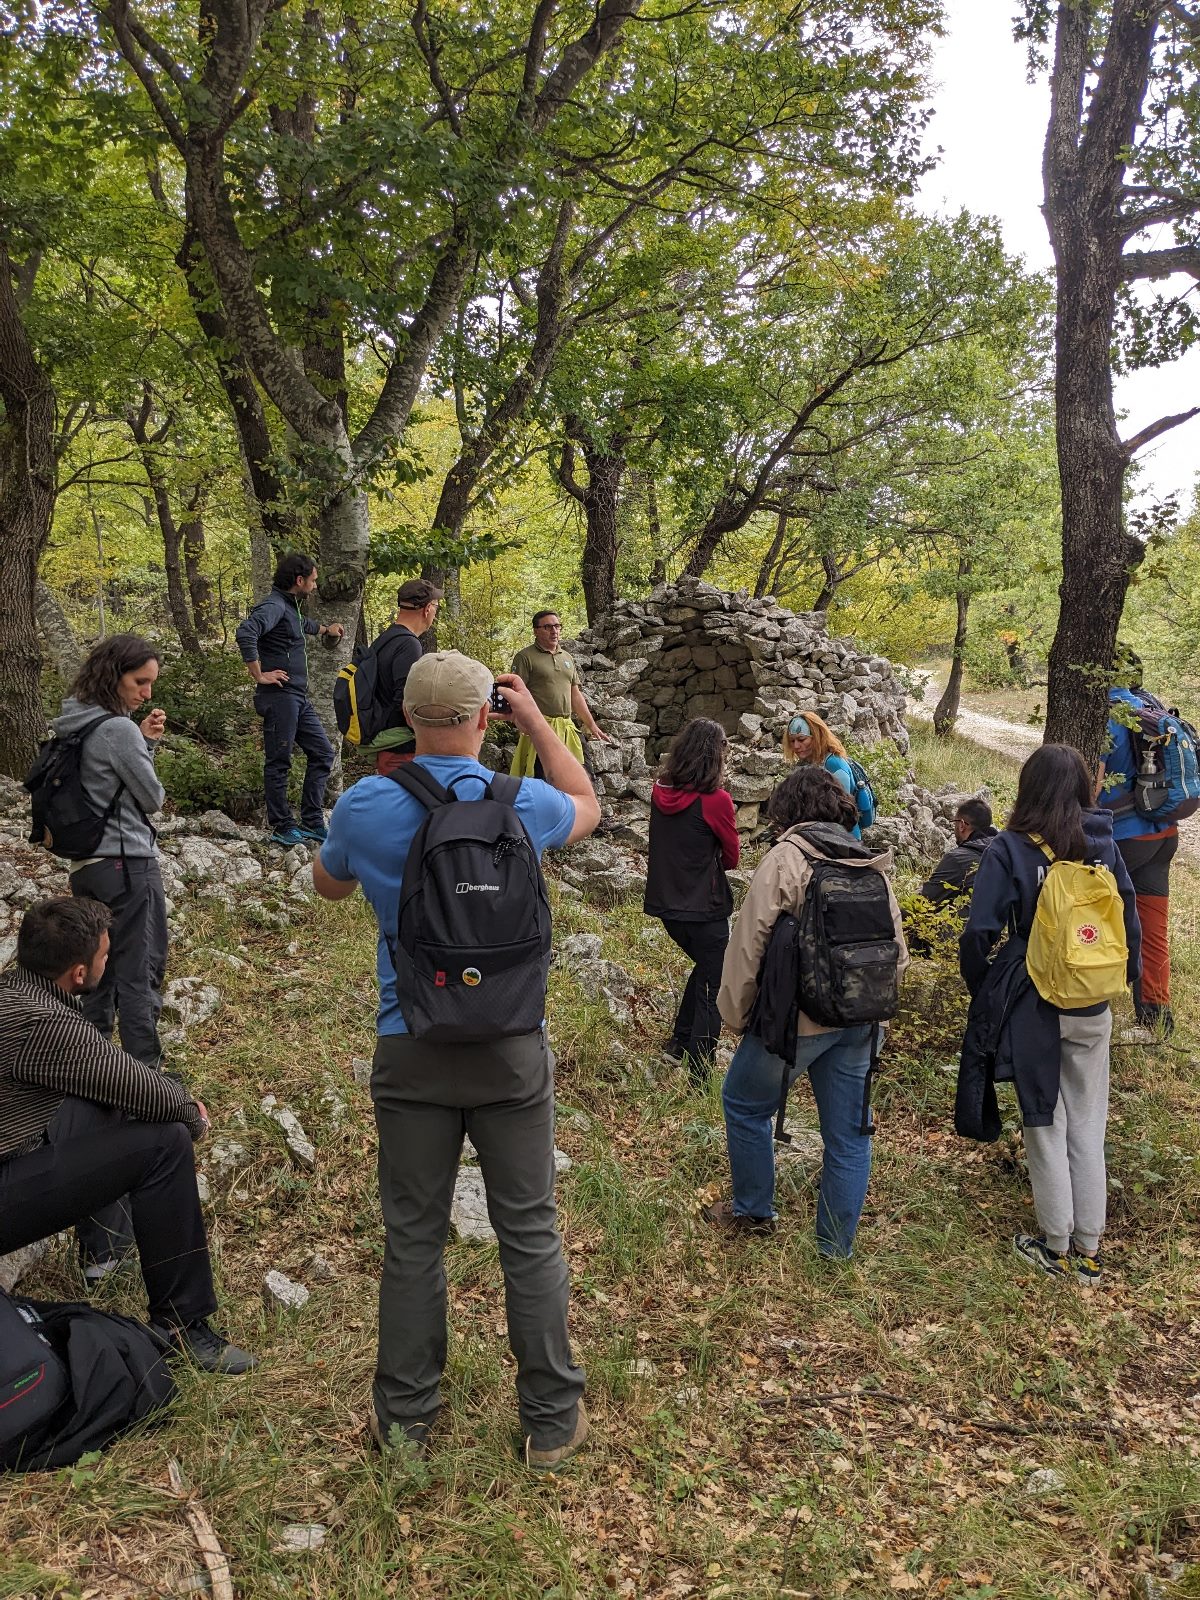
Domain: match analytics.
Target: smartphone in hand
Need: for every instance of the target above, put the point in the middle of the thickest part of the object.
(498, 703)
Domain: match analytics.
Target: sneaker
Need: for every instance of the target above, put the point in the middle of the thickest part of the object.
(1038, 1253)
(551, 1460)
(207, 1349)
(673, 1049)
(722, 1215)
(1086, 1266)
(286, 838)
(317, 835)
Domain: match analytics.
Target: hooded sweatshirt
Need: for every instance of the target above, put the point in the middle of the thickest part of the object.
(116, 752)
(779, 886)
(693, 839)
(954, 874)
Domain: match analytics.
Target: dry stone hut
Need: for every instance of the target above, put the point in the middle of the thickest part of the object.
(691, 650)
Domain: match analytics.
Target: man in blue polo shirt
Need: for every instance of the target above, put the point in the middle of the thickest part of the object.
(428, 1095)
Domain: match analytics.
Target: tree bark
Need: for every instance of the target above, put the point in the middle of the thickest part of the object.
(600, 499)
(945, 713)
(1083, 169)
(829, 585)
(28, 480)
(766, 572)
(66, 652)
(178, 600)
(191, 531)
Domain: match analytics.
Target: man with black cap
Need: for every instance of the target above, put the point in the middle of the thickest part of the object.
(427, 1094)
(397, 650)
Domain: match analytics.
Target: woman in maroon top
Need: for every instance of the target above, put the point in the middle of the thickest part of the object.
(693, 840)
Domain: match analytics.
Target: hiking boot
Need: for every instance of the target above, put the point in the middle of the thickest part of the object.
(1156, 1017)
(285, 838)
(316, 835)
(207, 1349)
(1038, 1253)
(722, 1215)
(673, 1049)
(1086, 1266)
(412, 1441)
(551, 1460)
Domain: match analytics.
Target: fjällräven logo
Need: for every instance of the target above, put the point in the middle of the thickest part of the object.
(1087, 933)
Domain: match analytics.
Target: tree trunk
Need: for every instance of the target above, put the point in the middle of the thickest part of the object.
(177, 596)
(191, 531)
(762, 584)
(66, 652)
(945, 713)
(829, 586)
(1083, 168)
(28, 482)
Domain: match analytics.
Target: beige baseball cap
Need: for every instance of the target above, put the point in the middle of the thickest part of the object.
(446, 688)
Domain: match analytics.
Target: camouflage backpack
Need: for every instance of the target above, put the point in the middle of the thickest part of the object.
(849, 956)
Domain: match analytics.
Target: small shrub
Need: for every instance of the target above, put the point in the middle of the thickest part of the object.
(201, 778)
(206, 697)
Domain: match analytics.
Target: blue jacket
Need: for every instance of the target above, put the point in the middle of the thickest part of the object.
(1012, 1033)
(1121, 764)
(273, 635)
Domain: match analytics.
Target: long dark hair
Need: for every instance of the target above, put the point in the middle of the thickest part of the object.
(696, 759)
(96, 682)
(810, 794)
(1053, 791)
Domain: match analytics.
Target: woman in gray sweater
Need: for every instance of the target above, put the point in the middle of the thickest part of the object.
(117, 770)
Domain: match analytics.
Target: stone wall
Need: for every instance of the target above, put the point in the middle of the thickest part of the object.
(691, 650)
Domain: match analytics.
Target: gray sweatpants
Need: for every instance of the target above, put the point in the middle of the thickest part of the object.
(426, 1097)
(1066, 1160)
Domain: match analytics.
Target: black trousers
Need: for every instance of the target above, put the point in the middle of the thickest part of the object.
(698, 1022)
(130, 992)
(289, 723)
(92, 1156)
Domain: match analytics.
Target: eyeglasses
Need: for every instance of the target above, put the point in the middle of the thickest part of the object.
(550, 627)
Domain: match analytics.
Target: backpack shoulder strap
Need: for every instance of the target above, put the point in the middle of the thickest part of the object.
(1036, 838)
(505, 788)
(421, 785)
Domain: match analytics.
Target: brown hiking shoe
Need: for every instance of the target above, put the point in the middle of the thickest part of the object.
(551, 1460)
(722, 1215)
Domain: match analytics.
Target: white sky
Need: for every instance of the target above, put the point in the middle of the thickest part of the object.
(990, 124)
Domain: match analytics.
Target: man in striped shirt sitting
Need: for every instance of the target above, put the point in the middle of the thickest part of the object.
(83, 1123)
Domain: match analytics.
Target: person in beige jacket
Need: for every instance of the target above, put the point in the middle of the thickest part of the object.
(817, 817)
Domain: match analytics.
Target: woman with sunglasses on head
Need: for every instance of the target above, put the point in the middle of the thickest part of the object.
(693, 841)
(808, 740)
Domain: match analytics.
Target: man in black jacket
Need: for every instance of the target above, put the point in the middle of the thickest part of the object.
(272, 642)
(397, 650)
(954, 876)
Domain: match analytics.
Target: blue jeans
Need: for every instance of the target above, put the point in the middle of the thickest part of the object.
(289, 721)
(837, 1064)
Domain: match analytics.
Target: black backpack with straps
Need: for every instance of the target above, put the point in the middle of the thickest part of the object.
(71, 1379)
(472, 952)
(65, 819)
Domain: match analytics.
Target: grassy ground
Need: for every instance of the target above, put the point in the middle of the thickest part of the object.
(764, 1424)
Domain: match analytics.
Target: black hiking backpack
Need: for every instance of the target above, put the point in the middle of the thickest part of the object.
(472, 953)
(71, 1379)
(838, 962)
(65, 819)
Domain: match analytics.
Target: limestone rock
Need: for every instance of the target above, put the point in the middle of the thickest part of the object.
(190, 1001)
(360, 1071)
(302, 1538)
(280, 1291)
(300, 1146)
(468, 1209)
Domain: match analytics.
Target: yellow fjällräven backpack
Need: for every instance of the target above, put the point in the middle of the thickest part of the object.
(1077, 955)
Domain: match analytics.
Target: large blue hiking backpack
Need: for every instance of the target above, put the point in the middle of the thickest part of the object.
(863, 794)
(1166, 786)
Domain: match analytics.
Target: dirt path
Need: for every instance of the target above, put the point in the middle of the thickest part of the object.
(1018, 739)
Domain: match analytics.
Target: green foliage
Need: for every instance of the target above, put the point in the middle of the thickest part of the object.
(198, 777)
(206, 698)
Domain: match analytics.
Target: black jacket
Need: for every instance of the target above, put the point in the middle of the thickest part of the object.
(398, 649)
(954, 874)
(273, 635)
(1012, 1033)
(693, 838)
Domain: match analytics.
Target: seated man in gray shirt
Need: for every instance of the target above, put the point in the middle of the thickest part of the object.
(83, 1123)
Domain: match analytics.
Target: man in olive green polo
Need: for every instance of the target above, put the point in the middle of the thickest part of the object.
(553, 680)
